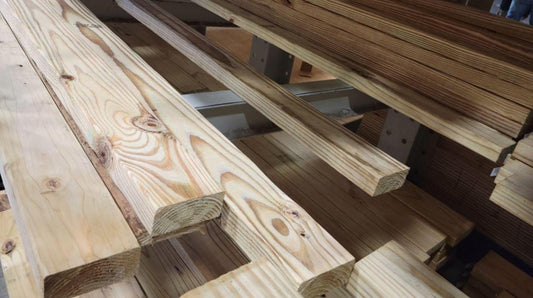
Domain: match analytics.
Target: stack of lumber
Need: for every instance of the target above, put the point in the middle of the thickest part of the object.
(494, 276)
(167, 168)
(466, 83)
(514, 182)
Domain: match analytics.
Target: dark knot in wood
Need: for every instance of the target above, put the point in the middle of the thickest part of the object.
(103, 151)
(148, 123)
(8, 246)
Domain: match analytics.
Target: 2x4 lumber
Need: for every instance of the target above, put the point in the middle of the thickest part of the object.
(423, 39)
(392, 271)
(435, 61)
(257, 279)
(509, 50)
(98, 86)
(365, 165)
(524, 150)
(497, 275)
(75, 236)
(472, 134)
(18, 275)
(258, 216)
(382, 64)
(454, 225)
(359, 222)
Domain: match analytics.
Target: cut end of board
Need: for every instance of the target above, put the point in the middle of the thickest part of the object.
(93, 276)
(390, 183)
(326, 281)
(172, 219)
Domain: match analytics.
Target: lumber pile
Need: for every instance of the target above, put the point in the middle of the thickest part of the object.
(413, 71)
(366, 166)
(514, 182)
(493, 276)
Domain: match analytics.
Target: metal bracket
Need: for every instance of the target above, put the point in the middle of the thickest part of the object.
(271, 61)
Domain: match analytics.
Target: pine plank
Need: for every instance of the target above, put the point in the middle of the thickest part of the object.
(167, 187)
(464, 74)
(477, 58)
(18, 275)
(524, 150)
(474, 135)
(358, 222)
(252, 202)
(392, 271)
(257, 279)
(366, 166)
(329, 32)
(498, 275)
(75, 236)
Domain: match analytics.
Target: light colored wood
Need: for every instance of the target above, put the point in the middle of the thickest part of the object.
(474, 135)
(358, 222)
(253, 203)
(376, 53)
(166, 186)
(498, 275)
(365, 165)
(524, 150)
(513, 202)
(75, 236)
(177, 69)
(392, 271)
(455, 226)
(18, 275)
(257, 279)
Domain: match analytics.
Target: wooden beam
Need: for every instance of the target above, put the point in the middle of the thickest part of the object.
(4, 202)
(166, 186)
(474, 135)
(257, 279)
(524, 150)
(18, 275)
(259, 217)
(76, 238)
(431, 40)
(392, 271)
(366, 166)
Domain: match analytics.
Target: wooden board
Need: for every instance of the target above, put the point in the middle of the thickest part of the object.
(4, 202)
(366, 166)
(524, 150)
(167, 187)
(18, 275)
(497, 275)
(480, 138)
(182, 73)
(328, 32)
(75, 236)
(360, 223)
(257, 279)
(252, 203)
(392, 271)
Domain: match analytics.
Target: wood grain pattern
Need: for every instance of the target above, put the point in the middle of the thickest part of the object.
(524, 150)
(328, 31)
(257, 279)
(392, 271)
(498, 275)
(316, 262)
(435, 62)
(460, 52)
(366, 166)
(4, 202)
(358, 222)
(167, 187)
(474, 135)
(18, 275)
(75, 236)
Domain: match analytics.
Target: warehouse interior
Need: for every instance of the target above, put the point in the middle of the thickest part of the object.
(265, 148)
